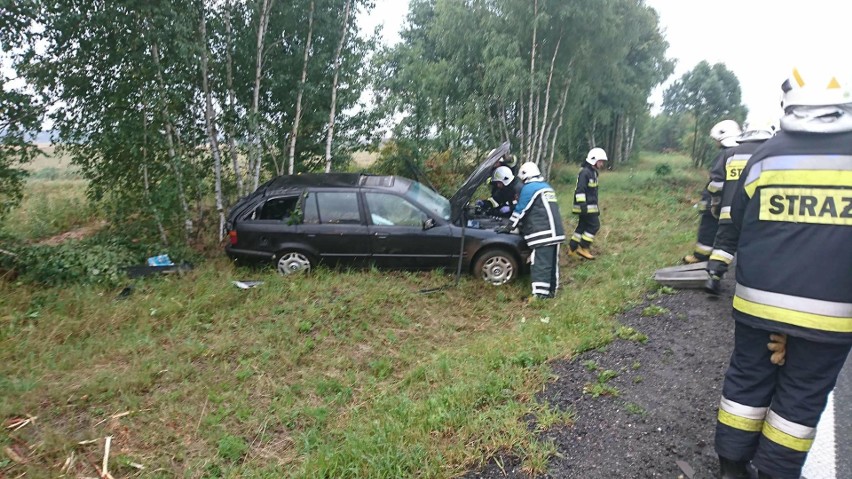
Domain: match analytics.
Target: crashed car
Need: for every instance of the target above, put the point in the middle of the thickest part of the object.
(296, 222)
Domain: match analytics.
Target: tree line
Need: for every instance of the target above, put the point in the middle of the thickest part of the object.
(173, 109)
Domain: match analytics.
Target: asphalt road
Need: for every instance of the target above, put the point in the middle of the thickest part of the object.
(831, 455)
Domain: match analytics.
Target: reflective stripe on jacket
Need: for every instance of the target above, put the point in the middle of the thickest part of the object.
(586, 192)
(537, 215)
(792, 218)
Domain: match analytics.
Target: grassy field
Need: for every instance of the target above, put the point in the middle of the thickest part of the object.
(336, 374)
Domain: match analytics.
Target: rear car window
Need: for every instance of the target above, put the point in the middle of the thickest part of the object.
(391, 210)
(279, 208)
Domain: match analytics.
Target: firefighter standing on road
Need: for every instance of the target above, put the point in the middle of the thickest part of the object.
(537, 215)
(725, 133)
(735, 161)
(586, 205)
(792, 210)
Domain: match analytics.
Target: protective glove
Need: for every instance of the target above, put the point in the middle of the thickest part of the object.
(503, 229)
(480, 204)
(778, 346)
(505, 209)
(713, 285)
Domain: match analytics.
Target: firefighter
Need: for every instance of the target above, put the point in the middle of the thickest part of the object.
(725, 133)
(586, 205)
(792, 218)
(506, 188)
(537, 216)
(734, 161)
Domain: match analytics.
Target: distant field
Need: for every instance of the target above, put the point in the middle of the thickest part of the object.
(50, 159)
(364, 158)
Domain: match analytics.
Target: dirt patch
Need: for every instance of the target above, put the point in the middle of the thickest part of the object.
(75, 234)
(658, 410)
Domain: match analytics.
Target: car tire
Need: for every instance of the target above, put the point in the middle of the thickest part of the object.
(293, 261)
(496, 266)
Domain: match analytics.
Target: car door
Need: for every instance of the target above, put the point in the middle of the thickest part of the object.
(273, 222)
(333, 224)
(398, 237)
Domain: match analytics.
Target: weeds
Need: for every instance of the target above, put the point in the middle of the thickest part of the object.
(336, 374)
(654, 310)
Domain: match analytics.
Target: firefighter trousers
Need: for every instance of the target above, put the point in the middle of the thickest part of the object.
(706, 235)
(768, 413)
(544, 271)
(587, 228)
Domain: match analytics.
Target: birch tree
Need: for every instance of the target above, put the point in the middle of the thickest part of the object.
(344, 29)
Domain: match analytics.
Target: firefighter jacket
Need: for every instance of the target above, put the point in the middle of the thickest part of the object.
(504, 196)
(586, 193)
(792, 214)
(711, 197)
(537, 213)
(735, 160)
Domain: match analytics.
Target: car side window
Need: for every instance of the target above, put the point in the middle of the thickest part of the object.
(310, 211)
(392, 210)
(338, 207)
(280, 209)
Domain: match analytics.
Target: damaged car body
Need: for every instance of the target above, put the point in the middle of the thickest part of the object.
(298, 221)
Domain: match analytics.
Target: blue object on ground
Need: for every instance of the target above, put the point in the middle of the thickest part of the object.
(161, 260)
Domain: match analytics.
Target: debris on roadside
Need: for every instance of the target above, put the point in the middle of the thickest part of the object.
(689, 276)
(247, 284)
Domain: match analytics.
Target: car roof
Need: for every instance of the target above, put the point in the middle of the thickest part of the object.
(283, 184)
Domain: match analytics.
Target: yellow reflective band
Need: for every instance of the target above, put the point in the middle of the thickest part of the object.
(800, 178)
(580, 197)
(791, 442)
(796, 318)
(825, 206)
(739, 422)
(576, 236)
(576, 209)
(721, 256)
(798, 77)
(725, 215)
(715, 186)
(703, 249)
(593, 208)
(593, 184)
(590, 239)
(733, 169)
(493, 202)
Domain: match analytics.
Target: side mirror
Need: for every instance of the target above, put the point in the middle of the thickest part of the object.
(428, 223)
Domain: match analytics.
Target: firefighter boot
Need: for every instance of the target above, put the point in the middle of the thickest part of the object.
(691, 259)
(584, 253)
(729, 469)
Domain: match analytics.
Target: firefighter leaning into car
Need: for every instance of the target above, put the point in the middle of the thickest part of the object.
(505, 190)
(586, 205)
(537, 216)
(792, 210)
(725, 133)
(734, 162)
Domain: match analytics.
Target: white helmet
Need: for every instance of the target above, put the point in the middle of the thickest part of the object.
(504, 175)
(815, 88)
(726, 132)
(595, 155)
(755, 135)
(528, 171)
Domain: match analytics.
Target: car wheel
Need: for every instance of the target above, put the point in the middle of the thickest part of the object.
(292, 261)
(496, 266)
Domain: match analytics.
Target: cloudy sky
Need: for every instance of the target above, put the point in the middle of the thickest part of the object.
(759, 40)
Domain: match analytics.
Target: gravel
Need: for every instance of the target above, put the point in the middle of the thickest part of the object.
(661, 419)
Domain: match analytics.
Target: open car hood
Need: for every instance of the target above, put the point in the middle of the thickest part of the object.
(483, 171)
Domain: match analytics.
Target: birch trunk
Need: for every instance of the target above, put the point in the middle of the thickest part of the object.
(298, 117)
(343, 31)
(147, 184)
(619, 138)
(210, 121)
(528, 139)
(170, 143)
(255, 157)
(561, 115)
(229, 80)
(542, 139)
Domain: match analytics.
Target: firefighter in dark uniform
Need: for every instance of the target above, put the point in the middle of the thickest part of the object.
(735, 161)
(586, 205)
(792, 210)
(537, 216)
(505, 190)
(725, 133)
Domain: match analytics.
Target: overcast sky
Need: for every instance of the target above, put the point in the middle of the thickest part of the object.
(759, 40)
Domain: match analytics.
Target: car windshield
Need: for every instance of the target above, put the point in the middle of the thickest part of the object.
(433, 202)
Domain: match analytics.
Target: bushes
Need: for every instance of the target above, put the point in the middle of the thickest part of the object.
(73, 262)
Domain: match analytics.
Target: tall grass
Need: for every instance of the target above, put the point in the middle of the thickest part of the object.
(50, 207)
(336, 374)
